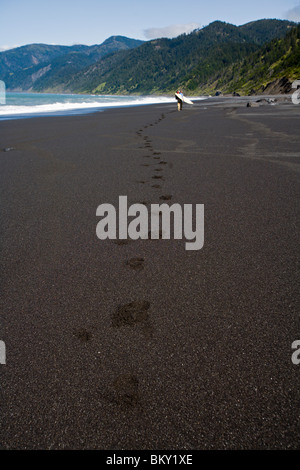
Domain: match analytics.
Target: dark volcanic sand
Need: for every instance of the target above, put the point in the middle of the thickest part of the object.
(143, 345)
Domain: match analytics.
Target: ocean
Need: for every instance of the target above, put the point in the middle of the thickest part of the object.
(21, 105)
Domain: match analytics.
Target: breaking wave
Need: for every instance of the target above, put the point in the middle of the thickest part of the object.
(40, 104)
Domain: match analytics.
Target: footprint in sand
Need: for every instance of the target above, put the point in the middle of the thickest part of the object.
(126, 387)
(121, 242)
(131, 314)
(135, 263)
(168, 197)
(83, 335)
(144, 203)
(157, 177)
(163, 163)
(156, 186)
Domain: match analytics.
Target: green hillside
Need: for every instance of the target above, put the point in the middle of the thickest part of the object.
(220, 56)
(188, 61)
(263, 31)
(50, 65)
(278, 59)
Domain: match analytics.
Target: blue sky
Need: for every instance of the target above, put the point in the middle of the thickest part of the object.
(92, 21)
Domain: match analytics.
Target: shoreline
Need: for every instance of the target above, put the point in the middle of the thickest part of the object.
(229, 99)
(142, 345)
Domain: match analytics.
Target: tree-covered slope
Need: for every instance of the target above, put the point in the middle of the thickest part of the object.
(188, 61)
(32, 55)
(220, 55)
(262, 31)
(52, 65)
(275, 60)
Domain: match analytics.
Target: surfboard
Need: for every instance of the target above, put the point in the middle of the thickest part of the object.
(183, 98)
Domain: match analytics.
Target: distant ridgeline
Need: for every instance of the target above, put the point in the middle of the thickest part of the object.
(259, 56)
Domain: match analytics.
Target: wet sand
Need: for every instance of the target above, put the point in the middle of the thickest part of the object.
(143, 345)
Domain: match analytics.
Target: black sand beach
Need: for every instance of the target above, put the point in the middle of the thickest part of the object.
(201, 358)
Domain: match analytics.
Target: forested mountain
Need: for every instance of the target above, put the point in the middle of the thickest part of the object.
(21, 67)
(188, 61)
(262, 70)
(262, 31)
(218, 56)
(158, 65)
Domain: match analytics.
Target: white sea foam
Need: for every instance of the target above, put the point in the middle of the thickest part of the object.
(66, 104)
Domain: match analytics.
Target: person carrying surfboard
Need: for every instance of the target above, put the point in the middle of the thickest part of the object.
(179, 98)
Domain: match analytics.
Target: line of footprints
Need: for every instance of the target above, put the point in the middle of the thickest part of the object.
(126, 386)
